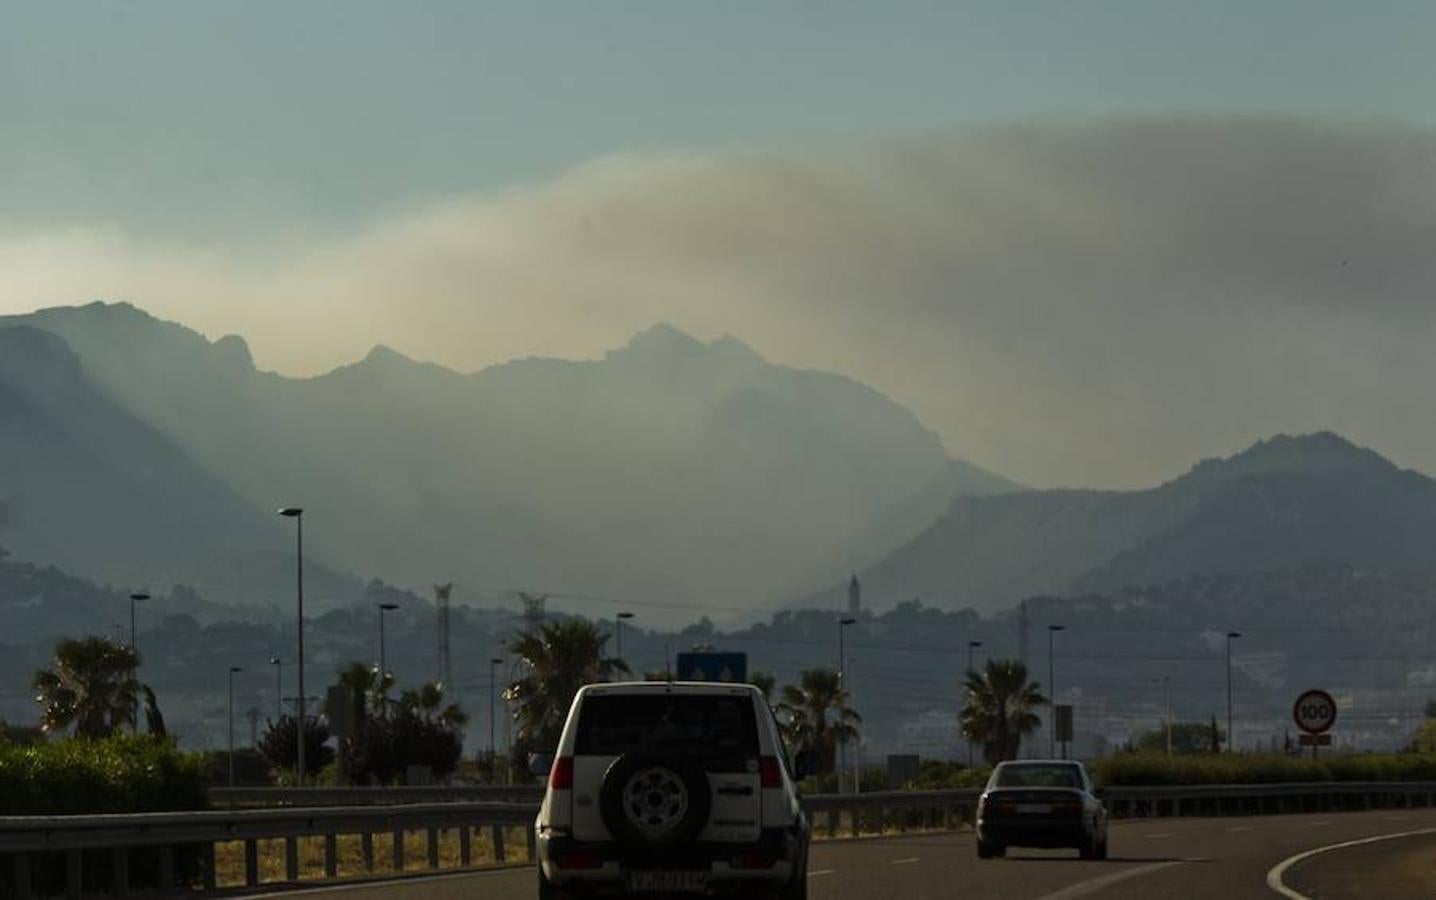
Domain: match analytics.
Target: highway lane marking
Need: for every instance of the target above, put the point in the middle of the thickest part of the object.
(1093, 885)
(361, 884)
(1236, 828)
(816, 872)
(904, 862)
(1275, 878)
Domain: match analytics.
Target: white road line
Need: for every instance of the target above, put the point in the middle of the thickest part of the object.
(1236, 828)
(1093, 885)
(904, 862)
(1275, 877)
(814, 873)
(361, 883)
(1159, 834)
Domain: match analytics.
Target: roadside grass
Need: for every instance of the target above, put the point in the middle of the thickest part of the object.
(229, 855)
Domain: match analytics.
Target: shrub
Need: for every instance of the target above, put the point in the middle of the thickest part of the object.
(115, 774)
(1159, 769)
(112, 775)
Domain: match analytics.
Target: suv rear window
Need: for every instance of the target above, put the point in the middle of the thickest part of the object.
(1038, 775)
(615, 724)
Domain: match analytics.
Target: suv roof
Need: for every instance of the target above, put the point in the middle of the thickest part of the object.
(669, 687)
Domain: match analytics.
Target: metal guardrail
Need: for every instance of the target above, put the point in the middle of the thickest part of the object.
(372, 796)
(159, 840)
(112, 846)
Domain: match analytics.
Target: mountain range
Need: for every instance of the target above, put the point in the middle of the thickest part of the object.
(1283, 503)
(672, 471)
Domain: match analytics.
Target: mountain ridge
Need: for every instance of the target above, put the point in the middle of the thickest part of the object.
(1284, 502)
(672, 469)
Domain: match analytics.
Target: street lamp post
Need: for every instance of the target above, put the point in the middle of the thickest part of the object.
(278, 688)
(1166, 698)
(1230, 734)
(1052, 686)
(494, 663)
(232, 671)
(971, 646)
(301, 713)
(843, 623)
(618, 631)
(383, 661)
(136, 597)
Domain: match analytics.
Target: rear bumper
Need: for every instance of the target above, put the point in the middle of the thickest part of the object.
(723, 862)
(1024, 832)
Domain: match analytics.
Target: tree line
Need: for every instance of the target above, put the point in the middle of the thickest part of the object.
(91, 691)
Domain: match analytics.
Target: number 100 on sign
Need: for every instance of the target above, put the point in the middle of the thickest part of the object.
(1314, 712)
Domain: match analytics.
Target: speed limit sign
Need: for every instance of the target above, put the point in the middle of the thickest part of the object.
(1314, 712)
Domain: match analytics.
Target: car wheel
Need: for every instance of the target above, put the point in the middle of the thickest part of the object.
(547, 890)
(1102, 848)
(796, 889)
(1088, 848)
(990, 849)
(655, 798)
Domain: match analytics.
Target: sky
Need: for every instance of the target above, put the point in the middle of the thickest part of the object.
(1087, 243)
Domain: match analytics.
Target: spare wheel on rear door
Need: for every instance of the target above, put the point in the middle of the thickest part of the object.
(655, 797)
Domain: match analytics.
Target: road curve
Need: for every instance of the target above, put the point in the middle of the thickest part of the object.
(1168, 858)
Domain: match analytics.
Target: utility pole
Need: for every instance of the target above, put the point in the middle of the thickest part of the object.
(1052, 686)
(253, 716)
(301, 707)
(1231, 743)
(494, 663)
(618, 632)
(278, 687)
(232, 671)
(136, 597)
(843, 623)
(971, 671)
(441, 636)
(1167, 692)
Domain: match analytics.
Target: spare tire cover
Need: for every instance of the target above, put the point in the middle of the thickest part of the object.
(655, 797)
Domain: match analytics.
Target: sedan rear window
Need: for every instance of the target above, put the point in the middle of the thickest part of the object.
(1039, 776)
(615, 724)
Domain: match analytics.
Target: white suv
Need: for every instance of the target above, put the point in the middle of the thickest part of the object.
(671, 787)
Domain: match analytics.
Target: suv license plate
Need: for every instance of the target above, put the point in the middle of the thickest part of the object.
(663, 882)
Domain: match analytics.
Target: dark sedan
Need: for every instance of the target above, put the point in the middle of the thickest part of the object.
(1041, 803)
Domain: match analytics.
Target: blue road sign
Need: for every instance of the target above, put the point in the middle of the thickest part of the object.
(713, 667)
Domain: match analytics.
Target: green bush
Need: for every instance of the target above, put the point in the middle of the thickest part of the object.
(938, 775)
(116, 774)
(1159, 769)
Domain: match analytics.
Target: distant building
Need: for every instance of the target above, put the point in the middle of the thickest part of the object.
(855, 596)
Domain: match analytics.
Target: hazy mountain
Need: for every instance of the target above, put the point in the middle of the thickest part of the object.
(1283, 503)
(670, 471)
(86, 485)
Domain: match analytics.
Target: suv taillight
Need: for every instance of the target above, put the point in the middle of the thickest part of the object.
(770, 771)
(561, 778)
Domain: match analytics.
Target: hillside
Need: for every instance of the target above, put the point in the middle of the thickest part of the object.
(1284, 503)
(672, 470)
(87, 486)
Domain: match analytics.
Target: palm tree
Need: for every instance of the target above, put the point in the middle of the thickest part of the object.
(764, 682)
(558, 659)
(427, 703)
(999, 707)
(91, 687)
(807, 706)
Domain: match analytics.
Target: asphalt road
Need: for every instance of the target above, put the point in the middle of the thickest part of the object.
(1156, 858)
